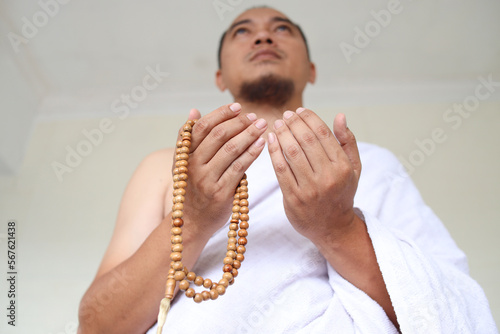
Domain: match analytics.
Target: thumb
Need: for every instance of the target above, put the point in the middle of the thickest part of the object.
(194, 114)
(347, 141)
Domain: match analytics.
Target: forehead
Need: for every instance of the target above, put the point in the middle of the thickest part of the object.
(257, 15)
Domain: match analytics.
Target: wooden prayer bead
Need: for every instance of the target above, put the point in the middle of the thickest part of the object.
(242, 232)
(242, 241)
(213, 294)
(240, 257)
(207, 283)
(228, 276)
(177, 248)
(178, 222)
(177, 265)
(179, 275)
(183, 285)
(198, 298)
(176, 239)
(191, 276)
(220, 289)
(236, 264)
(198, 280)
(224, 282)
(190, 293)
(179, 199)
(241, 249)
(244, 225)
(205, 295)
(175, 256)
(178, 206)
(180, 191)
(176, 231)
(244, 202)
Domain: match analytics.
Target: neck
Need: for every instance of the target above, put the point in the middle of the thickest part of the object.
(268, 112)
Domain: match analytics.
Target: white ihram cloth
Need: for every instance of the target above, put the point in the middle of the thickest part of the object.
(286, 286)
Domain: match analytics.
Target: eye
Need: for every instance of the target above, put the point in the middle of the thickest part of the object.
(283, 27)
(240, 31)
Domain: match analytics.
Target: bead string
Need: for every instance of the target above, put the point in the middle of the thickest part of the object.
(235, 247)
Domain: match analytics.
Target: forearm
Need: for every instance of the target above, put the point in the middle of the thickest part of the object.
(126, 299)
(352, 255)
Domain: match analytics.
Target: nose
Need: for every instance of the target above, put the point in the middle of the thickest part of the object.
(263, 37)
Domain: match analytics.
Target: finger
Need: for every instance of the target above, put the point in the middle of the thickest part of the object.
(285, 176)
(307, 139)
(194, 114)
(220, 136)
(322, 132)
(347, 141)
(293, 153)
(231, 150)
(206, 123)
(237, 168)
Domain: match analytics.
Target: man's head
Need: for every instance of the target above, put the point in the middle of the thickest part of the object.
(263, 47)
(221, 41)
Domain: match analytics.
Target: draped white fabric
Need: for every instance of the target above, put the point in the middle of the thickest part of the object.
(286, 286)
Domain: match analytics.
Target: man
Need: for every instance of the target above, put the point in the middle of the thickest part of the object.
(315, 263)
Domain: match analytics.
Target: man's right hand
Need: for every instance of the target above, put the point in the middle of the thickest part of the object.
(224, 144)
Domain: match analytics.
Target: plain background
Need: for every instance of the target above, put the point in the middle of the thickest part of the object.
(64, 80)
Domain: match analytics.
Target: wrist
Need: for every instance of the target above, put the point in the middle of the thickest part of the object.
(344, 232)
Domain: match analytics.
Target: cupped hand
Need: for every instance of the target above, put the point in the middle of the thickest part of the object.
(318, 173)
(224, 144)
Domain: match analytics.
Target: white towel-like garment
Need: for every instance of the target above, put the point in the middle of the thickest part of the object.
(286, 286)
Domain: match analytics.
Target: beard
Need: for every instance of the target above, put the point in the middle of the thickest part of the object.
(269, 89)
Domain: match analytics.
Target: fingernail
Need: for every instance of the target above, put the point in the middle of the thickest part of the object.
(235, 107)
(288, 114)
(261, 124)
(260, 142)
(271, 137)
(252, 116)
(299, 110)
(278, 123)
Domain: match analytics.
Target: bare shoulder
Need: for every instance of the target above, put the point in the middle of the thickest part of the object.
(142, 207)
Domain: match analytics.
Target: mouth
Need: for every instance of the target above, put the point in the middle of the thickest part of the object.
(265, 54)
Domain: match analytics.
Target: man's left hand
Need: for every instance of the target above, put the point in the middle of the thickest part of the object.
(318, 173)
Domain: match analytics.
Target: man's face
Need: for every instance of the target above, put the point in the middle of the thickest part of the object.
(260, 42)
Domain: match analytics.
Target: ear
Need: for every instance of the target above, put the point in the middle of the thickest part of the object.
(312, 73)
(219, 81)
